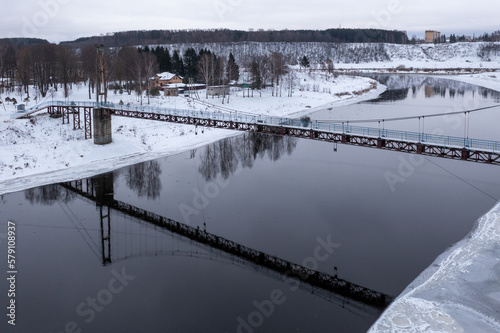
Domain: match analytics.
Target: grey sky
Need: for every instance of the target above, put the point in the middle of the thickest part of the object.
(58, 20)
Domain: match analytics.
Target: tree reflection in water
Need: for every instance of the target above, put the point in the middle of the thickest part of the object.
(398, 87)
(144, 179)
(48, 195)
(221, 158)
(224, 156)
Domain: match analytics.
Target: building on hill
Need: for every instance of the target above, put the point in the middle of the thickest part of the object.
(164, 79)
(431, 36)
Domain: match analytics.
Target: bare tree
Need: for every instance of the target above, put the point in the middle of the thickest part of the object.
(7, 61)
(24, 69)
(220, 73)
(205, 69)
(124, 64)
(278, 69)
(138, 70)
(292, 77)
(88, 64)
(67, 66)
(329, 65)
(44, 61)
(150, 69)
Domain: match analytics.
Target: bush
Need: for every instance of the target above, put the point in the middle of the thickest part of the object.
(155, 92)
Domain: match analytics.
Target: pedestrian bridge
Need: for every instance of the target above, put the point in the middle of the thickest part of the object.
(458, 148)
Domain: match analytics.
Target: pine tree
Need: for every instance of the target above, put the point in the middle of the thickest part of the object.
(165, 61)
(233, 70)
(177, 64)
(191, 63)
(304, 62)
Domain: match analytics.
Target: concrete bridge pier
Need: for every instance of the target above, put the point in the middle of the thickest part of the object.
(102, 126)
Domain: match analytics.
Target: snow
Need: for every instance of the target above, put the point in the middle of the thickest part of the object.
(463, 55)
(459, 292)
(42, 150)
(486, 80)
(165, 76)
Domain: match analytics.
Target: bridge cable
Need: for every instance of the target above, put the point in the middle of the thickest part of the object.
(463, 180)
(199, 189)
(406, 118)
(96, 253)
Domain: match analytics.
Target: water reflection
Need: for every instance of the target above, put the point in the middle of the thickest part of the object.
(48, 195)
(144, 179)
(100, 189)
(398, 87)
(224, 156)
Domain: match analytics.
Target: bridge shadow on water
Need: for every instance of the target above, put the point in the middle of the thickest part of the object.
(221, 158)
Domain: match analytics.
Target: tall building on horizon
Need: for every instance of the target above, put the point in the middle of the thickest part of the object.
(431, 36)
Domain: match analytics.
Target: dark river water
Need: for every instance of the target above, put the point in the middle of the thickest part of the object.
(374, 218)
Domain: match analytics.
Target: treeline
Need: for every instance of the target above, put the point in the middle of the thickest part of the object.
(17, 42)
(155, 37)
(50, 67)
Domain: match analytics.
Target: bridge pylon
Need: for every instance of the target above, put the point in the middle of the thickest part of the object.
(102, 116)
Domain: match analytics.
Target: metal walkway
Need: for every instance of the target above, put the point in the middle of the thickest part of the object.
(467, 149)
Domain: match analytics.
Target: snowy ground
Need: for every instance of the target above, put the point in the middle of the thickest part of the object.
(41, 150)
(459, 292)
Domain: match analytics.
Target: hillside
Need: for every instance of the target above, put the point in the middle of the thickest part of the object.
(422, 55)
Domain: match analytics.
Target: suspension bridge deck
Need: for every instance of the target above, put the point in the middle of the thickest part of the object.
(458, 148)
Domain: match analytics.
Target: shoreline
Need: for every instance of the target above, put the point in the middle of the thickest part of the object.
(170, 139)
(434, 301)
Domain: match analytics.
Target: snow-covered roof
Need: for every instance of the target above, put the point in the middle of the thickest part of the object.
(167, 76)
(176, 85)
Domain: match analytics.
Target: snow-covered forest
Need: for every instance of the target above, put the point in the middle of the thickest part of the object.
(353, 53)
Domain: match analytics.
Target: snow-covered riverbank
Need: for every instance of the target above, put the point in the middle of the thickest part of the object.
(460, 291)
(41, 150)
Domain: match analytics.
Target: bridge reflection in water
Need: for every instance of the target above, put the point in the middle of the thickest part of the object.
(100, 190)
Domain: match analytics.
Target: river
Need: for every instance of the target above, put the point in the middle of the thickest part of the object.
(374, 218)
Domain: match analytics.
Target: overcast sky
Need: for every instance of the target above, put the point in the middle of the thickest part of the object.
(61, 20)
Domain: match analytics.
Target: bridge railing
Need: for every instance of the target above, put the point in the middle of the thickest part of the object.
(336, 128)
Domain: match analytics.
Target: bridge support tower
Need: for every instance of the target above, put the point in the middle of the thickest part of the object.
(102, 116)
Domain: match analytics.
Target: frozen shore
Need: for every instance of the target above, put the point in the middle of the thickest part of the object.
(460, 291)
